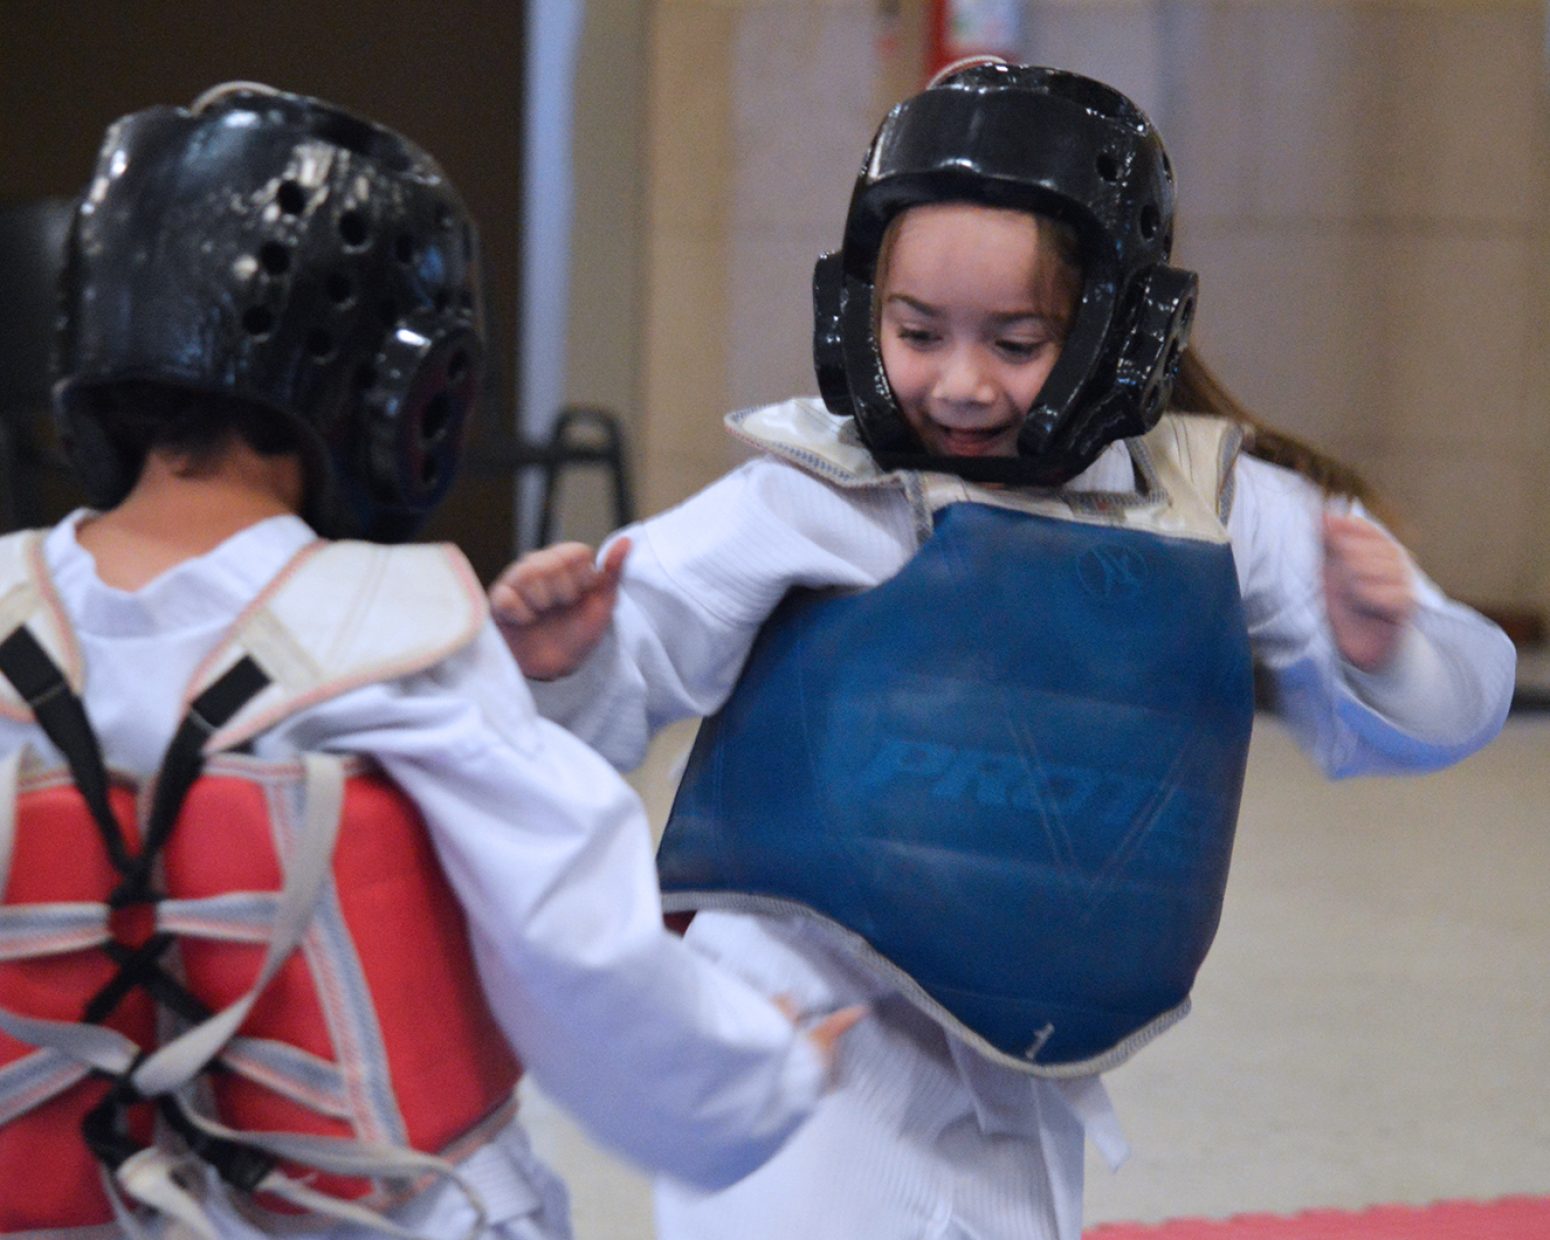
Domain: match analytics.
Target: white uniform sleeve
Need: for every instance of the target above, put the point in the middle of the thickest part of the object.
(700, 581)
(678, 1065)
(705, 575)
(1445, 693)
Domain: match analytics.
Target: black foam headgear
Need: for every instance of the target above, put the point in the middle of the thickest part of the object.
(1031, 139)
(279, 250)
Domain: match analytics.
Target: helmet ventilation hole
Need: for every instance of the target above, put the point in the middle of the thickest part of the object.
(258, 321)
(352, 230)
(435, 419)
(291, 198)
(1151, 220)
(340, 288)
(404, 247)
(457, 367)
(321, 344)
(1108, 166)
(274, 258)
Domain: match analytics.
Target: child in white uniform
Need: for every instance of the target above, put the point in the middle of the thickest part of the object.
(1001, 314)
(307, 339)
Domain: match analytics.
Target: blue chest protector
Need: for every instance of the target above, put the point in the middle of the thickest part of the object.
(1011, 772)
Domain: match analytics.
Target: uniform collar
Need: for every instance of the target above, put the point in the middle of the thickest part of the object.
(205, 589)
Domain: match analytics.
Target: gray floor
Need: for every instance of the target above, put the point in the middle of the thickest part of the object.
(1373, 1024)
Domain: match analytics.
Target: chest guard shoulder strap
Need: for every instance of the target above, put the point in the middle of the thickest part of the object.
(805, 434)
(1193, 456)
(342, 615)
(28, 599)
(1009, 776)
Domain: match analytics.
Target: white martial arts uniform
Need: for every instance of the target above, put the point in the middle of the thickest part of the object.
(677, 1065)
(921, 1137)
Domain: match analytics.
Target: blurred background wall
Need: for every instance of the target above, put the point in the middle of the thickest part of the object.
(1362, 189)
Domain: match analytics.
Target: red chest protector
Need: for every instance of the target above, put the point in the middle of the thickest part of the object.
(258, 964)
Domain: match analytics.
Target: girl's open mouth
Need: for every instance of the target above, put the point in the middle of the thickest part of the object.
(960, 441)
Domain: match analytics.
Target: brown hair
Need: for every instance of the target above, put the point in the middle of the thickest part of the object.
(1198, 390)
(141, 416)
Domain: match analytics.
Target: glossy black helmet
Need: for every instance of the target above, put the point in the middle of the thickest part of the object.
(275, 249)
(1032, 139)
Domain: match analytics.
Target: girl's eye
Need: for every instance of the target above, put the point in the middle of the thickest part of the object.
(918, 336)
(1022, 350)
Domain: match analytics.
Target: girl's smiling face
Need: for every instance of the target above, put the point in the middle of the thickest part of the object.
(974, 305)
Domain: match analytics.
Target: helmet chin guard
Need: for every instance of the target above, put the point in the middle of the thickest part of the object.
(1058, 145)
(279, 250)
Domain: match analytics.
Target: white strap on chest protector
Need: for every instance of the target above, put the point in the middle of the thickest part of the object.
(342, 615)
(28, 598)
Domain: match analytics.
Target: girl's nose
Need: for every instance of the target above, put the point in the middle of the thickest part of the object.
(962, 380)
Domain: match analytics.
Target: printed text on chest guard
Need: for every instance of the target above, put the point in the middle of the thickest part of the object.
(1002, 779)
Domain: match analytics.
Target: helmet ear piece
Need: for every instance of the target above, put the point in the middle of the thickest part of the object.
(1127, 396)
(828, 336)
(416, 415)
(1158, 333)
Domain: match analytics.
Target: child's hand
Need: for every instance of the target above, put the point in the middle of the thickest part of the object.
(554, 605)
(824, 1034)
(1369, 590)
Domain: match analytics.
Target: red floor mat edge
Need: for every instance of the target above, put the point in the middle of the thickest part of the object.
(1508, 1218)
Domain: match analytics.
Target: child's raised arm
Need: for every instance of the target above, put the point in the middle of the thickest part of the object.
(554, 605)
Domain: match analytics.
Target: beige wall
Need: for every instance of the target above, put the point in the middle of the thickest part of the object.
(607, 297)
(689, 169)
(1361, 189)
(759, 114)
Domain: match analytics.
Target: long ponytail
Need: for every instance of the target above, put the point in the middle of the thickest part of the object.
(1199, 390)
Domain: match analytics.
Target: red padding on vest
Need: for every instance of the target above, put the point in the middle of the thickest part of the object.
(678, 923)
(448, 1062)
(48, 1177)
(224, 842)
